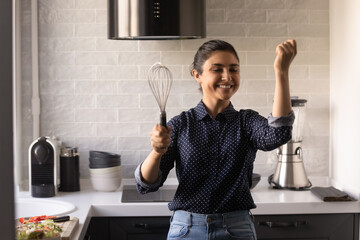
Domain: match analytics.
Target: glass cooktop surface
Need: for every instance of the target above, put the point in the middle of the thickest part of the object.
(164, 194)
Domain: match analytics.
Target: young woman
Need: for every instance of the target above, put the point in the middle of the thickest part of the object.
(214, 147)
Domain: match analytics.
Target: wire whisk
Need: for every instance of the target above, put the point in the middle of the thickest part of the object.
(160, 80)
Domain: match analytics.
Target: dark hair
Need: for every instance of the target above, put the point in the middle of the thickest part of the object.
(206, 50)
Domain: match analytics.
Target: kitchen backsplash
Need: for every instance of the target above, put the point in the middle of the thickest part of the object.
(95, 95)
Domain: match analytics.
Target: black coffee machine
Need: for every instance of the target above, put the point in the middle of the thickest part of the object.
(43, 167)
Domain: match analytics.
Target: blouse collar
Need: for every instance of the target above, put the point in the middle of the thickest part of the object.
(200, 112)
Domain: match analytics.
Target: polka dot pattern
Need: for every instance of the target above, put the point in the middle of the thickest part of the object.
(214, 158)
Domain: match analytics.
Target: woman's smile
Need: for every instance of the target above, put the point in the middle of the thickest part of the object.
(225, 86)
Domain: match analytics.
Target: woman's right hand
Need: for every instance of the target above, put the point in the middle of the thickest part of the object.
(160, 138)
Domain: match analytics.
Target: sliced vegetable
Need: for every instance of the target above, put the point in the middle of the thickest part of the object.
(36, 218)
(22, 220)
(38, 227)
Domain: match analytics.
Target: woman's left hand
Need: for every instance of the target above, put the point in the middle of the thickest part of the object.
(285, 53)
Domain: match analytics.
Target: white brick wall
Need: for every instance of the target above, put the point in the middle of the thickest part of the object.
(95, 94)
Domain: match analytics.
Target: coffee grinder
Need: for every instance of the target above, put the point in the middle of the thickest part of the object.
(290, 172)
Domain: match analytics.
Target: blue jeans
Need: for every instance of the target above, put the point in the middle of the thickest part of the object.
(194, 226)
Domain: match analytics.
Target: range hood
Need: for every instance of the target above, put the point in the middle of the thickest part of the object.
(156, 19)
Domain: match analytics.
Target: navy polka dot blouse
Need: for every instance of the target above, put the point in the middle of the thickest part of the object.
(214, 157)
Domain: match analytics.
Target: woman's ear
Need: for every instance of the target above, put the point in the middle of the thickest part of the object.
(196, 76)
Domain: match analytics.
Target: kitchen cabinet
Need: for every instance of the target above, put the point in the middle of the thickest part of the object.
(97, 229)
(309, 227)
(268, 227)
(139, 228)
(128, 228)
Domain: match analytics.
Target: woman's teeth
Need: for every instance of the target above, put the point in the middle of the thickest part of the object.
(225, 86)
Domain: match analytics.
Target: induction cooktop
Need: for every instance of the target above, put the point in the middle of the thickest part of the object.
(164, 194)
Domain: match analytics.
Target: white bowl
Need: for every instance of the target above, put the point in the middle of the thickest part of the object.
(106, 175)
(106, 184)
(104, 170)
(113, 173)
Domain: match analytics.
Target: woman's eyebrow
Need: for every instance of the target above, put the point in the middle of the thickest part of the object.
(221, 65)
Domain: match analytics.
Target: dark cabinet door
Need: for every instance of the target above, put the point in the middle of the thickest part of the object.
(98, 229)
(139, 228)
(309, 227)
(128, 228)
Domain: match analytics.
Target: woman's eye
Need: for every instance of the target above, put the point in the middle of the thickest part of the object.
(217, 70)
(234, 70)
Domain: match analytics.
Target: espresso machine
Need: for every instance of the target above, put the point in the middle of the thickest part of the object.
(290, 171)
(43, 167)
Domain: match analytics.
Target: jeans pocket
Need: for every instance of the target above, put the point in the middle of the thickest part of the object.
(177, 231)
(241, 230)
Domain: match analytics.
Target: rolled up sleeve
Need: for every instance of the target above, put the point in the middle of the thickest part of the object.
(282, 121)
(144, 187)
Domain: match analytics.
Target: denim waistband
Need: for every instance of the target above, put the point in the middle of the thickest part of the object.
(190, 218)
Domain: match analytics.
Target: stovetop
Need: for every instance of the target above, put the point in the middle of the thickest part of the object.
(164, 194)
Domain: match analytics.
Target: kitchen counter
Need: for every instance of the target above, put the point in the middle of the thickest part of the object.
(90, 203)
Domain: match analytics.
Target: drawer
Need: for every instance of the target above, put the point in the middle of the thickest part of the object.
(139, 228)
(317, 226)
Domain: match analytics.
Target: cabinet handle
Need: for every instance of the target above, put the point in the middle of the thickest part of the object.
(147, 226)
(271, 224)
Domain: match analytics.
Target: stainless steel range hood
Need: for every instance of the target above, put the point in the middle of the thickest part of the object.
(156, 19)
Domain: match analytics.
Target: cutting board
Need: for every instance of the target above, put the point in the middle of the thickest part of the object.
(68, 228)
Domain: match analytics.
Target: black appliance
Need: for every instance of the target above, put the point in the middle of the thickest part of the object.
(43, 167)
(69, 170)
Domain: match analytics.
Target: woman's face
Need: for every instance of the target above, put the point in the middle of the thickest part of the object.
(220, 78)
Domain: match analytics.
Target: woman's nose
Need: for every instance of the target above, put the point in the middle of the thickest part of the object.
(226, 75)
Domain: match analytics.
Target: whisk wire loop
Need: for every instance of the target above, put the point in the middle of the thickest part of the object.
(160, 81)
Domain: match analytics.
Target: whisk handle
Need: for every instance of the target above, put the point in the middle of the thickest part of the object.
(163, 118)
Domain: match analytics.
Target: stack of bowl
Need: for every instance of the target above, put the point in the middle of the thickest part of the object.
(105, 171)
